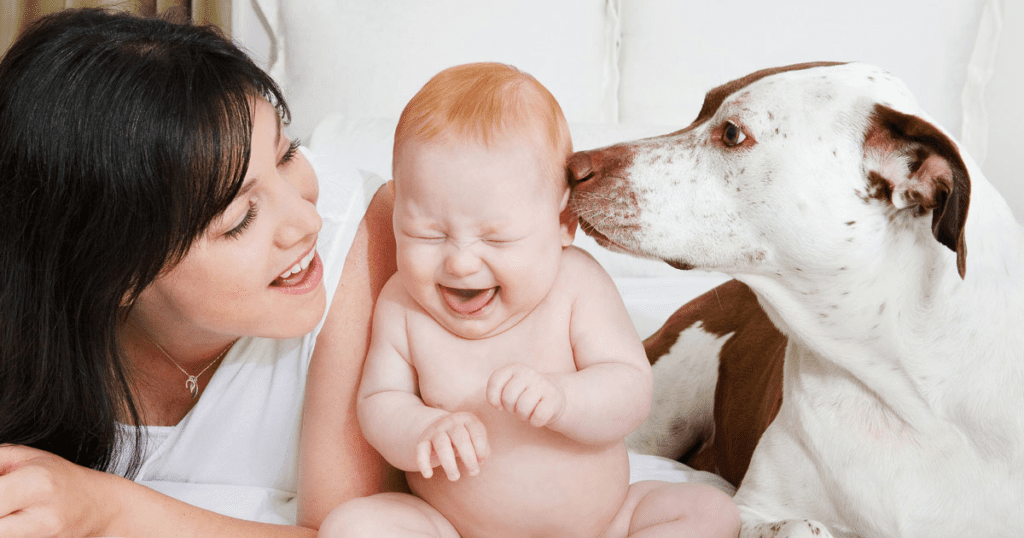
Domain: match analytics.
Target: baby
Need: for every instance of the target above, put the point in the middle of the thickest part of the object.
(500, 353)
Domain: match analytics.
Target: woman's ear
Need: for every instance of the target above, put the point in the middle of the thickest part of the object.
(567, 220)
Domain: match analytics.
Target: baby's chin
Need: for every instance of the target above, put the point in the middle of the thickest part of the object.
(476, 328)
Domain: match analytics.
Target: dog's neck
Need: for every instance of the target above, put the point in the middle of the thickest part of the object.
(910, 333)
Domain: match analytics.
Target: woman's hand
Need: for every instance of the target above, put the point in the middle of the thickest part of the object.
(43, 495)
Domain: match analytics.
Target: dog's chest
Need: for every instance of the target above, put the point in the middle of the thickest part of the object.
(893, 460)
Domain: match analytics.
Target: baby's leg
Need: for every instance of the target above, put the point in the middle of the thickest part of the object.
(679, 510)
(386, 514)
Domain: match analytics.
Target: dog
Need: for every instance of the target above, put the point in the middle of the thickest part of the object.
(842, 209)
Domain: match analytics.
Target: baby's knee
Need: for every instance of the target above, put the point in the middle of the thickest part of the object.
(393, 515)
(357, 518)
(700, 509)
(717, 508)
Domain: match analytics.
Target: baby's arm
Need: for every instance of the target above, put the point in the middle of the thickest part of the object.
(610, 393)
(409, 434)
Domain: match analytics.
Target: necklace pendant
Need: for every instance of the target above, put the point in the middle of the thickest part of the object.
(192, 384)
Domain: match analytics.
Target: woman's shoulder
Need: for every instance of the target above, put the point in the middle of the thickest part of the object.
(345, 192)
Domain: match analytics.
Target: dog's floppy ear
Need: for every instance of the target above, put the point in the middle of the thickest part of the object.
(912, 164)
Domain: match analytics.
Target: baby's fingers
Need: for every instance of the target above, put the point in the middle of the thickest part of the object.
(508, 384)
(478, 435)
(442, 445)
(462, 440)
(545, 411)
(423, 453)
(496, 385)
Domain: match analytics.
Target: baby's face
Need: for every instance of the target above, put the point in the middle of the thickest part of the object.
(477, 229)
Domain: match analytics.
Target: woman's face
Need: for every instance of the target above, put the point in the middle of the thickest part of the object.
(255, 271)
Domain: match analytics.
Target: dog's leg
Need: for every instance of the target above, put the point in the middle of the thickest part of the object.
(782, 486)
(793, 528)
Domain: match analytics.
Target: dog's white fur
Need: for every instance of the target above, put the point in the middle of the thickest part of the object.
(903, 402)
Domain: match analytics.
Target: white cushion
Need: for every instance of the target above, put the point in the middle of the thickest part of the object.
(367, 59)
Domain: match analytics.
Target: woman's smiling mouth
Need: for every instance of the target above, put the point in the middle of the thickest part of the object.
(301, 277)
(467, 302)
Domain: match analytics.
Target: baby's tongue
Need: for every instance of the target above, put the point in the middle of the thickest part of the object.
(467, 301)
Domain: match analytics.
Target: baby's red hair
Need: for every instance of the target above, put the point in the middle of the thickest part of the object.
(480, 101)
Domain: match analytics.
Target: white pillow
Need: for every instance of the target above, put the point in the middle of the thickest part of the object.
(674, 52)
(367, 59)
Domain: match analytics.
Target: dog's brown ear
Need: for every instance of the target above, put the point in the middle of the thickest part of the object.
(912, 164)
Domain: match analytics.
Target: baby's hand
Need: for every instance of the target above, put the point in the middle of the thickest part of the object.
(531, 395)
(459, 433)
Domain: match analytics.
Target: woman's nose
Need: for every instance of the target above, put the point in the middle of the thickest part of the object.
(301, 175)
(302, 221)
(300, 218)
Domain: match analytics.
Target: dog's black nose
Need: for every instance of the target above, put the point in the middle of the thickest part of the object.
(580, 168)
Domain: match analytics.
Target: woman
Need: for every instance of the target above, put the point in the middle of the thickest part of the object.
(167, 284)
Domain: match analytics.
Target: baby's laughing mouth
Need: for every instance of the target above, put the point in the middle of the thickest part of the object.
(467, 302)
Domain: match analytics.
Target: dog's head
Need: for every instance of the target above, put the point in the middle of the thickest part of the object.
(807, 167)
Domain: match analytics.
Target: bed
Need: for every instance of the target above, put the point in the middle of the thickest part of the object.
(625, 69)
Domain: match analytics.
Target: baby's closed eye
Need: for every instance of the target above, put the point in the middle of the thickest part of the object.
(500, 241)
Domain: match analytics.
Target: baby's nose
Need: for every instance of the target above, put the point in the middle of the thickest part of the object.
(461, 261)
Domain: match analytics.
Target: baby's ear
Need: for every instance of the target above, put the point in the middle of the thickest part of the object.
(567, 220)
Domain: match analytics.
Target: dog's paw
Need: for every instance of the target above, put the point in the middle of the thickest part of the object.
(792, 528)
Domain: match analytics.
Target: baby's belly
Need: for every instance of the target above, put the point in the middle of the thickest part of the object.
(536, 483)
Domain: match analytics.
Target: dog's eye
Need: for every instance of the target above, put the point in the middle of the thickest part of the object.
(732, 135)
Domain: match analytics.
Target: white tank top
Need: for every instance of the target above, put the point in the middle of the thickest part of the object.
(236, 451)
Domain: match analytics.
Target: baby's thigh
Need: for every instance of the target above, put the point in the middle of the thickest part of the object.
(678, 509)
(386, 514)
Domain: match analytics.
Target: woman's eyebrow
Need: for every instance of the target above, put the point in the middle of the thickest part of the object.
(246, 187)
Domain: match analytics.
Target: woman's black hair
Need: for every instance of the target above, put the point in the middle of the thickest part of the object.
(121, 139)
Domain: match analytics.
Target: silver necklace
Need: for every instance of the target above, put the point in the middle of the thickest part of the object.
(192, 383)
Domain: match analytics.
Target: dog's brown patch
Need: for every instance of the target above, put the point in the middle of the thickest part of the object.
(749, 389)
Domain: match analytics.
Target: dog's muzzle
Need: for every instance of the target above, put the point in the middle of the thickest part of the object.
(590, 175)
(587, 169)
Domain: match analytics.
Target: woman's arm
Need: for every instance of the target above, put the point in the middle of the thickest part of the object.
(335, 462)
(43, 495)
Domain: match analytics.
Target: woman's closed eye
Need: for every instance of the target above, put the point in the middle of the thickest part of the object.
(250, 215)
(293, 148)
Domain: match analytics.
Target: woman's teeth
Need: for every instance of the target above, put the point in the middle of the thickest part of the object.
(303, 263)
